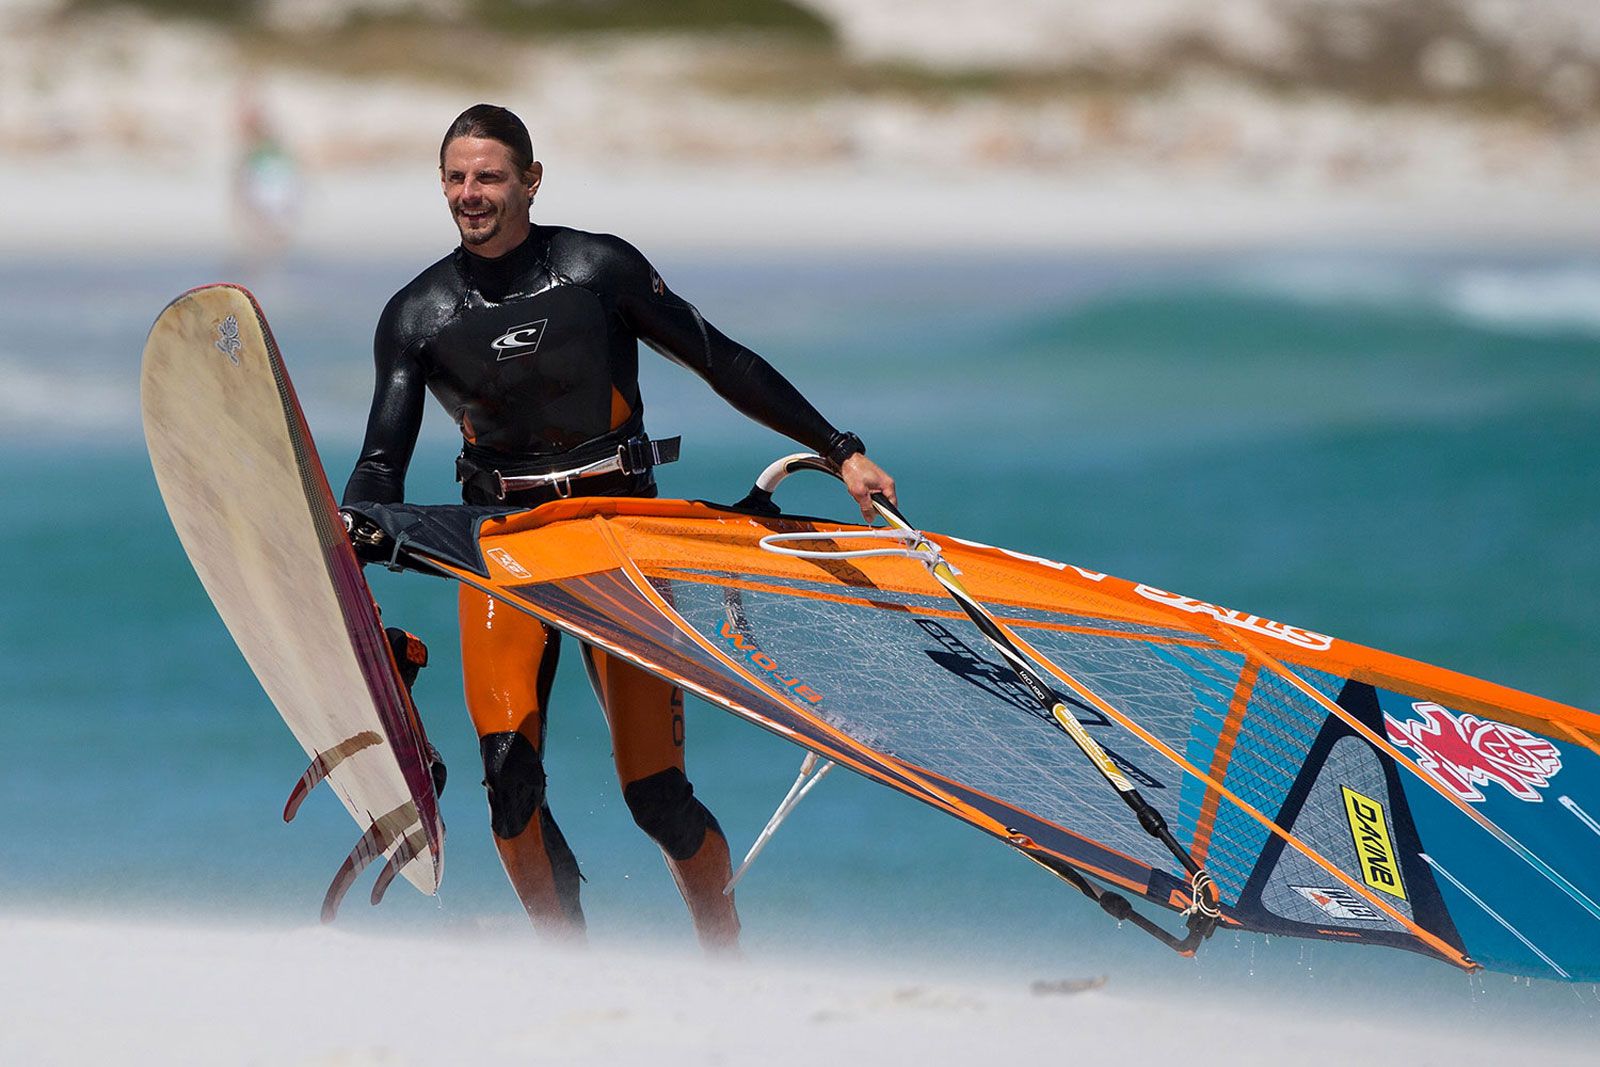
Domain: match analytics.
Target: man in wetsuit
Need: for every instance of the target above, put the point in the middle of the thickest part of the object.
(528, 335)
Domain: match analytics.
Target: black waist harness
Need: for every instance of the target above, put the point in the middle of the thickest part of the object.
(618, 463)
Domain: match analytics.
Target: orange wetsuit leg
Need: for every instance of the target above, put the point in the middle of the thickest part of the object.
(646, 719)
(508, 660)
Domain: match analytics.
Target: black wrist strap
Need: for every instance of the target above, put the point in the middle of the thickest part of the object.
(843, 445)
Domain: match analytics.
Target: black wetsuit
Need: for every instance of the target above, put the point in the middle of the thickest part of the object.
(535, 355)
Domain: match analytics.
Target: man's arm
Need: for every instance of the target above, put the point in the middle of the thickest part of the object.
(675, 328)
(395, 419)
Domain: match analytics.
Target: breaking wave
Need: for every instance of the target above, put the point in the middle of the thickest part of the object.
(1527, 299)
(1558, 299)
(78, 402)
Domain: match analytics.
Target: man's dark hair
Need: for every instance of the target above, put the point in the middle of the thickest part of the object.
(497, 124)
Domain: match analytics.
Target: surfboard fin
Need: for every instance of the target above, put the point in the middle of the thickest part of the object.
(409, 848)
(322, 765)
(374, 843)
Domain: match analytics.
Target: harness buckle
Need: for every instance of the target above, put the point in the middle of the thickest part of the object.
(639, 453)
(631, 455)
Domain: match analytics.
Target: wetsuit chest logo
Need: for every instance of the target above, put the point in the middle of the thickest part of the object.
(519, 340)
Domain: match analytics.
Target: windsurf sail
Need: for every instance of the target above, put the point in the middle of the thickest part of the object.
(910, 543)
(1309, 787)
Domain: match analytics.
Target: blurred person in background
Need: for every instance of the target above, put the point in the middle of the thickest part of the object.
(528, 336)
(266, 186)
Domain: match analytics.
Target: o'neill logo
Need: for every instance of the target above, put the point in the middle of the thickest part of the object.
(519, 340)
(1464, 752)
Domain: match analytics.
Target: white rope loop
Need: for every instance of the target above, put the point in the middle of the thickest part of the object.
(906, 540)
(1200, 898)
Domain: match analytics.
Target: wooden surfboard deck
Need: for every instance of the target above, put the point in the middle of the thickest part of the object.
(247, 494)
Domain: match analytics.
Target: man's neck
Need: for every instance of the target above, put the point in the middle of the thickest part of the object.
(501, 244)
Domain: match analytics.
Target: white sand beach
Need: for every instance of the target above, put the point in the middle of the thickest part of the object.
(78, 991)
(381, 212)
(123, 133)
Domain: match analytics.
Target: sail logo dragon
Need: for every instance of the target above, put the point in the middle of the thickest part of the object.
(1464, 752)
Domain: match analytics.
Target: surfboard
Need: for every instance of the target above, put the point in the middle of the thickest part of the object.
(246, 492)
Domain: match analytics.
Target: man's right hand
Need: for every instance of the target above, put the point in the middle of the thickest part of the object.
(862, 478)
(372, 545)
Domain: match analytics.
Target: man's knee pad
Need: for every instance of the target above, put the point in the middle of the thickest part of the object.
(663, 806)
(514, 776)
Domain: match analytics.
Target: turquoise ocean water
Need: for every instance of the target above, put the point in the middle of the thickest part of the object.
(1396, 449)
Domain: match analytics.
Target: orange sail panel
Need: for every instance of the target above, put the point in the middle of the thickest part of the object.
(1332, 791)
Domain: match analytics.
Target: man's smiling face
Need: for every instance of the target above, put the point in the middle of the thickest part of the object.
(488, 199)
